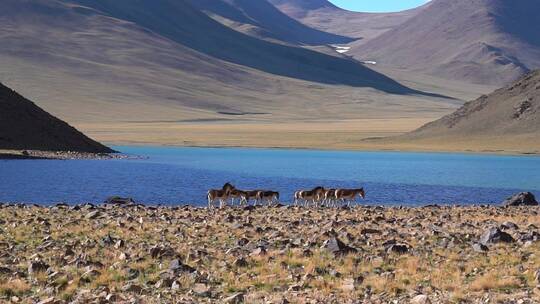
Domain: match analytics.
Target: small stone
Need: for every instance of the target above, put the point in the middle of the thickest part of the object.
(202, 290)
(132, 288)
(307, 253)
(420, 299)
(234, 299)
(132, 274)
(348, 285)
(37, 266)
(480, 247)
(92, 215)
(240, 262)
(509, 225)
(295, 287)
(119, 244)
(165, 282)
(537, 276)
(89, 275)
(47, 301)
(370, 231)
(242, 242)
(259, 251)
(111, 297)
(108, 240)
(178, 266)
(398, 248)
(123, 256)
(334, 273)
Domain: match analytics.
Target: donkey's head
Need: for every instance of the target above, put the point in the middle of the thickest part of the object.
(228, 187)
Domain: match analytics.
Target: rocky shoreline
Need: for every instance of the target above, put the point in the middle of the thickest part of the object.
(60, 155)
(131, 253)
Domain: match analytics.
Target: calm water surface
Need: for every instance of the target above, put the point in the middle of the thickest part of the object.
(183, 175)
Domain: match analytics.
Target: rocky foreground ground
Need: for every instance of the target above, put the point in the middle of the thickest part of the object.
(141, 254)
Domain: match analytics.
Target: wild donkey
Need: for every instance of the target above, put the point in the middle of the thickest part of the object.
(349, 195)
(222, 195)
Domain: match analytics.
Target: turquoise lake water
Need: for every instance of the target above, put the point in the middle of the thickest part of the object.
(183, 175)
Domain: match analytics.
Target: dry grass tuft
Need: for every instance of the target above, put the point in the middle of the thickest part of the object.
(15, 287)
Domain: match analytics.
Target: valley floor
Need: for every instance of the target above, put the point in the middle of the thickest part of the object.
(87, 253)
(359, 134)
(344, 134)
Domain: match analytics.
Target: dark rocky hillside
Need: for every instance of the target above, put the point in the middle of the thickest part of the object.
(23, 125)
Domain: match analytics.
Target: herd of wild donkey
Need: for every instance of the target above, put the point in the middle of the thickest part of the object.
(317, 196)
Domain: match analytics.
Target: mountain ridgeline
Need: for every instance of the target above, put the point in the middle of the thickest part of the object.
(325, 16)
(263, 20)
(25, 126)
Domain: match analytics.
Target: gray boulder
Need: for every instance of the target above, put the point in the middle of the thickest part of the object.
(509, 225)
(121, 201)
(521, 199)
(495, 235)
(337, 247)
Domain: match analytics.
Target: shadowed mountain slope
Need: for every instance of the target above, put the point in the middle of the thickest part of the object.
(482, 41)
(263, 20)
(323, 15)
(182, 23)
(25, 126)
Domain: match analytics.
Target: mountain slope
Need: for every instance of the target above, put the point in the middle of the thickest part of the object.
(178, 21)
(482, 41)
(261, 19)
(156, 66)
(323, 15)
(507, 119)
(512, 110)
(24, 126)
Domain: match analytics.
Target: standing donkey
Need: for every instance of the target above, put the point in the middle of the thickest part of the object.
(349, 195)
(270, 197)
(222, 195)
(242, 197)
(308, 196)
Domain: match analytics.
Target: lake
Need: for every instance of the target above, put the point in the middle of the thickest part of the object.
(172, 175)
